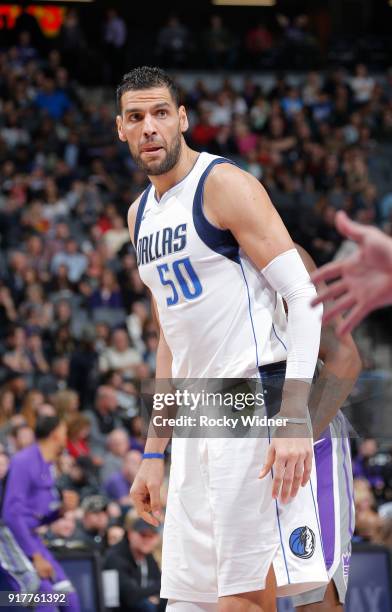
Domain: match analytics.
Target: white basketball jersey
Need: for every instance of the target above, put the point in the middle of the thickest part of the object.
(219, 316)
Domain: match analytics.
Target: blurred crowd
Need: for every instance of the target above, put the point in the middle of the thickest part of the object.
(372, 470)
(76, 333)
(109, 42)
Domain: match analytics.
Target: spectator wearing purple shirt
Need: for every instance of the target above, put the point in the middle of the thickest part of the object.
(118, 484)
(32, 500)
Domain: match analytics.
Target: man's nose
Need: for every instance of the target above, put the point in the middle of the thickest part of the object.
(149, 126)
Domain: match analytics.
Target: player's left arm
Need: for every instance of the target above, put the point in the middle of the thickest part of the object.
(235, 200)
(340, 370)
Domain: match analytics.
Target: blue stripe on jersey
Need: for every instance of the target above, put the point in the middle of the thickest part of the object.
(140, 211)
(279, 339)
(220, 241)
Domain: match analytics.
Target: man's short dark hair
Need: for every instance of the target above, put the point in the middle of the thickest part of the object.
(45, 425)
(146, 77)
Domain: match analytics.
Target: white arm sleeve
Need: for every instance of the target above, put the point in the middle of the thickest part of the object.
(288, 276)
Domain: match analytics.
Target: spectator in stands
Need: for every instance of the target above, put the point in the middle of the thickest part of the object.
(62, 315)
(116, 236)
(62, 532)
(292, 103)
(84, 376)
(362, 85)
(66, 402)
(119, 483)
(35, 353)
(259, 113)
(31, 403)
(18, 385)
(115, 38)
(114, 534)
(64, 343)
(219, 44)
(27, 22)
(17, 359)
(103, 419)
(80, 479)
(72, 40)
(120, 355)
(22, 437)
(115, 30)
(14, 278)
(71, 257)
(150, 338)
(203, 132)
(7, 406)
(57, 379)
(108, 295)
(138, 433)
(298, 40)
(118, 444)
(78, 428)
(91, 530)
(138, 572)
(363, 465)
(7, 442)
(259, 43)
(49, 99)
(221, 110)
(368, 526)
(173, 43)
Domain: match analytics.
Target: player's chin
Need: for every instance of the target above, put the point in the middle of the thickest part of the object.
(153, 161)
(155, 168)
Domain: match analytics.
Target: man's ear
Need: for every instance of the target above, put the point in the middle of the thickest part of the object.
(184, 123)
(120, 130)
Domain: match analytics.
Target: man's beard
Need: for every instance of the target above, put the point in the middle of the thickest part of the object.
(157, 168)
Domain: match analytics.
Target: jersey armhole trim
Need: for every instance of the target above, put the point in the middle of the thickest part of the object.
(139, 214)
(219, 240)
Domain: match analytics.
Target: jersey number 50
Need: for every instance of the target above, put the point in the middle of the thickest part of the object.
(185, 277)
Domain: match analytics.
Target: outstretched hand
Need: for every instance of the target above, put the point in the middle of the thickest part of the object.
(362, 281)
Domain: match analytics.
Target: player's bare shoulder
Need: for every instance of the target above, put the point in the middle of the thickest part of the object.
(132, 212)
(227, 186)
(226, 176)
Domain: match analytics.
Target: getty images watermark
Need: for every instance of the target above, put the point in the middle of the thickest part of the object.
(195, 401)
(212, 408)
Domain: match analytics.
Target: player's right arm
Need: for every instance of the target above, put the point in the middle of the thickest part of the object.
(145, 490)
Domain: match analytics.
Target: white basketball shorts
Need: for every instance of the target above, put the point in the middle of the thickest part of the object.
(223, 530)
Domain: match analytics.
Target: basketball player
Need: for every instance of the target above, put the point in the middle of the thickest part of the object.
(363, 280)
(217, 258)
(339, 367)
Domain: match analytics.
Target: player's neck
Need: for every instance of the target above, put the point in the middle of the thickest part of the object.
(164, 182)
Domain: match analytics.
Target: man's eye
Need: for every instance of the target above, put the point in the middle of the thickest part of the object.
(134, 117)
(162, 113)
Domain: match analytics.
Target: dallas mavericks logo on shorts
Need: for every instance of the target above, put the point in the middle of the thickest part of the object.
(302, 542)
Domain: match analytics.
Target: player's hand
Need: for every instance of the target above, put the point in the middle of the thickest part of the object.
(362, 281)
(145, 491)
(291, 462)
(44, 569)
